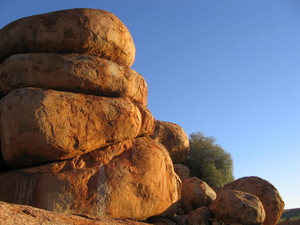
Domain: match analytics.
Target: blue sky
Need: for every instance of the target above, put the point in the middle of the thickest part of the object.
(229, 69)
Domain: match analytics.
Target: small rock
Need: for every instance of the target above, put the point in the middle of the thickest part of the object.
(196, 193)
(174, 138)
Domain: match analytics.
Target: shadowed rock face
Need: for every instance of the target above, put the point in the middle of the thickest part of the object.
(84, 31)
(74, 73)
(39, 126)
(182, 171)
(133, 179)
(266, 192)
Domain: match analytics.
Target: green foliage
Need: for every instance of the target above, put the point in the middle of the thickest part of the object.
(290, 214)
(208, 161)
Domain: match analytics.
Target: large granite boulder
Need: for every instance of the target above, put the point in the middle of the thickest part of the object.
(84, 31)
(174, 138)
(39, 126)
(237, 207)
(266, 192)
(133, 179)
(73, 73)
(12, 214)
(196, 193)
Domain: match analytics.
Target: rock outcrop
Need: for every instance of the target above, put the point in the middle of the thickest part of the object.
(174, 138)
(266, 192)
(77, 137)
(74, 73)
(83, 31)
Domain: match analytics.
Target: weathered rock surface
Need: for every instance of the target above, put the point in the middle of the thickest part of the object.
(237, 207)
(12, 214)
(84, 31)
(174, 138)
(266, 192)
(196, 193)
(74, 73)
(182, 171)
(39, 126)
(199, 216)
(133, 179)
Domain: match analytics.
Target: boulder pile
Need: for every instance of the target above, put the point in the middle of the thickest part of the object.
(73, 120)
(77, 136)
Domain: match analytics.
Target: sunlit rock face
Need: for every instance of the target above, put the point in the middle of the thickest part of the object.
(83, 31)
(237, 207)
(133, 179)
(74, 73)
(23, 214)
(174, 138)
(74, 124)
(39, 125)
(196, 193)
(266, 192)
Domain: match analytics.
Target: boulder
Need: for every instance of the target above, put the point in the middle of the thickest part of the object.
(39, 126)
(12, 214)
(199, 216)
(174, 138)
(237, 207)
(180, 220)
(133, 179)
(196, 193)
(73, 73)
(84, 31)
(182, 171)
(266, 192)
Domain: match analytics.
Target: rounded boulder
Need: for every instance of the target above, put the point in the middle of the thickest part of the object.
(237, 207)
(84, 31)
(196, 193)
(265, 191)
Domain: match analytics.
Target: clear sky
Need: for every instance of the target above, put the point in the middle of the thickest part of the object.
(229, 69)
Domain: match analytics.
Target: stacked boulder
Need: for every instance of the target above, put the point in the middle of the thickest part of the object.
(77, 137)
(74, 124)
(248, 200)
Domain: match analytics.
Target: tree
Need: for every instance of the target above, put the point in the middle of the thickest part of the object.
(208, 161)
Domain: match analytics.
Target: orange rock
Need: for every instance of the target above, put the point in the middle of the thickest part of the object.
(39, 126)
(74, 73)
(12, 214)
(237, 207)
(266, 192)
(196, 193)
(133, 179)
(84, 31)
(174, 138)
